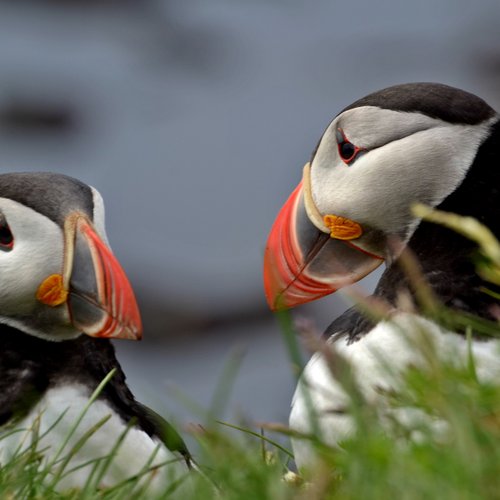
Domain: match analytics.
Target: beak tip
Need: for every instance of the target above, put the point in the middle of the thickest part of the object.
(281, 297)
(272, 304)
(130, 331)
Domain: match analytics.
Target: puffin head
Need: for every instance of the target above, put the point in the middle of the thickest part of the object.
(403, 144)
(58, 275)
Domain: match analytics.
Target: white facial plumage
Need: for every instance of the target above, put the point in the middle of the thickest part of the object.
(409, 157)
(37, 252)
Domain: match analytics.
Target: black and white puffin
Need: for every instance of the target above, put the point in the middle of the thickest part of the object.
(418, 142)
(63, 296)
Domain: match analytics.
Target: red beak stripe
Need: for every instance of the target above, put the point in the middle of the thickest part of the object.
(285, 283)
(115, 294)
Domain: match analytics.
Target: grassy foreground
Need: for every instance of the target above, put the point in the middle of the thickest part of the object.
(385, 460)
(463, 463)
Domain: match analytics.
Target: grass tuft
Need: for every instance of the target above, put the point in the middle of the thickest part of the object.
(449, 449)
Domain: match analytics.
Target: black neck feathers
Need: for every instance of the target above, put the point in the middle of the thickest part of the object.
(32, 365)
(29, 366)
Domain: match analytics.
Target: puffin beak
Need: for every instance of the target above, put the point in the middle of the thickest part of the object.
(101, 300)
(308, 255)
(99, 297)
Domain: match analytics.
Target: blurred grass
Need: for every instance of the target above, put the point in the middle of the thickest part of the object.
(452, 451)
(378, 462)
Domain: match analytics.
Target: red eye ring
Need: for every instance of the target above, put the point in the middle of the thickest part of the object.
(348, 152)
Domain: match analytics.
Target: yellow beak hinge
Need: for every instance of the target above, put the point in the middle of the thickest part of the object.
(51, 291)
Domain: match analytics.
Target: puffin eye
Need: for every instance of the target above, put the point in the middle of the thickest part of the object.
(6, 236)
(347, 150)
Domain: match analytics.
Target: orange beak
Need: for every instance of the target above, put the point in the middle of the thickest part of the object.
(101, 300)
(303, 263)
(93, 285)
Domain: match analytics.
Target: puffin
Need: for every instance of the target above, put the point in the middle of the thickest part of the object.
(426, 143)
(64, 297)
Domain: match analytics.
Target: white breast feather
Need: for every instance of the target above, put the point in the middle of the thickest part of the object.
(375, 361)
(133, 454)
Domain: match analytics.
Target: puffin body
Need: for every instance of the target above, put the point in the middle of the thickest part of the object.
(422, 142)
(63, 296)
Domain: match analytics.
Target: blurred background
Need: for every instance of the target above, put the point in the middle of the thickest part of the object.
(194, 119)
